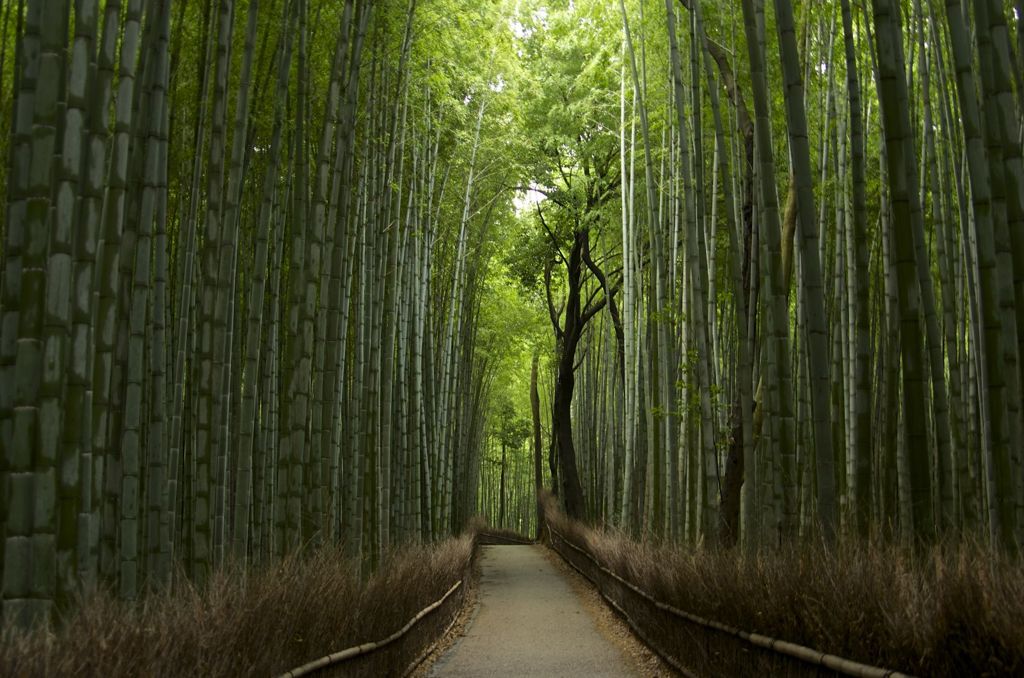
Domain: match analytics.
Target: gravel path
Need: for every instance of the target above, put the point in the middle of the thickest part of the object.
(530, 622)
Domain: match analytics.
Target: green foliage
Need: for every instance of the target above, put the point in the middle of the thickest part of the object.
(570, 90)
(512, 327)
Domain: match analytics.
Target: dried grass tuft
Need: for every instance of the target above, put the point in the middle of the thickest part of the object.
(257, 625)
(952, 610)
(484, 530)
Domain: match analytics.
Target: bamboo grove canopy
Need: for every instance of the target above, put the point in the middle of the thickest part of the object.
(278, 274)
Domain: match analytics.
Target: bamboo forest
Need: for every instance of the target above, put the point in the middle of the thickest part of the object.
(312, 311)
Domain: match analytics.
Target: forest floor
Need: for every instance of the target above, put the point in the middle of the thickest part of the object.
(534, 618)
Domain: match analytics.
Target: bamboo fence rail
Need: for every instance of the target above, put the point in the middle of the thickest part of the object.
(806, 655)
(366, 648)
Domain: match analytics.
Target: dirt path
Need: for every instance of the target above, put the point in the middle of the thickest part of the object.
(530, 622)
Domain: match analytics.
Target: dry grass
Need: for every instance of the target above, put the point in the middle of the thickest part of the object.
(260, 625)
(483, 529)
(955, 610)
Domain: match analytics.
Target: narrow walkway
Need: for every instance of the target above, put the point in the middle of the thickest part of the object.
(529, 623)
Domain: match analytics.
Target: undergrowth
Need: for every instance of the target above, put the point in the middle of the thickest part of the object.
(481, 526)
(261, 624)
(955, 609)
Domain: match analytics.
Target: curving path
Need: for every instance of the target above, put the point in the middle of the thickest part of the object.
(529, 622)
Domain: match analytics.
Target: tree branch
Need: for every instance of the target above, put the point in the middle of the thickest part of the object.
(559, 333)
(554, 240)
(591, 311)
